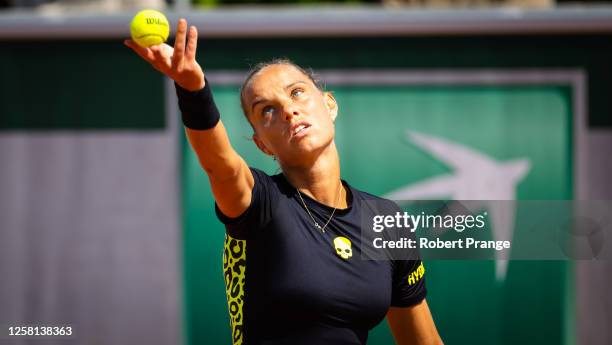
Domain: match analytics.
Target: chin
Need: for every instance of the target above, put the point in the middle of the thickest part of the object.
(313, 145)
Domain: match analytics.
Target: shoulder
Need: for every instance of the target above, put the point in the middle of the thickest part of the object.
(262, 177)
(270, 184)
(371, 201)
(362, 195)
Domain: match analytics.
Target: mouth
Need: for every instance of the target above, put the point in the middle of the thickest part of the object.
(299, 129)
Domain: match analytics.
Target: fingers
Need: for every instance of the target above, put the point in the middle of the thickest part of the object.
(144, 53)
(157, 52)
(192, 44)
(179, 42)
(162, 57)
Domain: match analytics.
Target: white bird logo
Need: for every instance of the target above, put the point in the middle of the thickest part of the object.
(476, 177)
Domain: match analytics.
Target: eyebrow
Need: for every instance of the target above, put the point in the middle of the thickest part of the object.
(297, 82)
(261, 100)
(257, 101)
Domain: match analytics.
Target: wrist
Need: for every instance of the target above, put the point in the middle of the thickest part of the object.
(198, 108)
(194, 87)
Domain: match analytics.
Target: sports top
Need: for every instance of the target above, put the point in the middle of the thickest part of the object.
(287, 282)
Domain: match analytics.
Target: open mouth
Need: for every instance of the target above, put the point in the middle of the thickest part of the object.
(300, 130)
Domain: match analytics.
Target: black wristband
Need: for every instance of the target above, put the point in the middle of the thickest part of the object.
(198, 108)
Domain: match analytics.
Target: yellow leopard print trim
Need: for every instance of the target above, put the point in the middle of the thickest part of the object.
(234, 267)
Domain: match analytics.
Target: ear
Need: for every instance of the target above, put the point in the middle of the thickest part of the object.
(332, 105)
(261, 145)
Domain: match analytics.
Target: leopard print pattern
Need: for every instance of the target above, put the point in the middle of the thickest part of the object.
(234, 267)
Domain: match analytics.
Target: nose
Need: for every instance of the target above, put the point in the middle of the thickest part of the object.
(289, 112)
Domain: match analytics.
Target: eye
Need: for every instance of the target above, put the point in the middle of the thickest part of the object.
(297, 92)
(267, 110)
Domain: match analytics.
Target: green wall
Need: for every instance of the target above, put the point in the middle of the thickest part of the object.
(469, 304)
(102, 84)
(59, 85)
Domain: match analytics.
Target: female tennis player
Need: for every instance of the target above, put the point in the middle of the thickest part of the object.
(292, 264)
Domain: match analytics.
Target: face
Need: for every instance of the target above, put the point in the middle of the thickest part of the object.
(292, 119)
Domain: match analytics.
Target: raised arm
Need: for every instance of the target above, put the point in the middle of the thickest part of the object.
(230, 178)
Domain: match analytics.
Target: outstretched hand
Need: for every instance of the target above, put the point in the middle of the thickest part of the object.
(176, 62)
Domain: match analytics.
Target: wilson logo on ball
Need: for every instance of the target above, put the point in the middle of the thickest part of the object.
(156, 21)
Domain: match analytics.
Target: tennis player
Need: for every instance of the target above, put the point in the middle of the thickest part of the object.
(292, 267)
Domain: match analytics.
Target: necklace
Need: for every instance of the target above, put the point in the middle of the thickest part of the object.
(311, 217)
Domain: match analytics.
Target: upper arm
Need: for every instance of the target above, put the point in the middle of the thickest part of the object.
(413, 325)
(230, 178)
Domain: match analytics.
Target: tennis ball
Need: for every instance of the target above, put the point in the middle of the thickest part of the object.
(149, 27)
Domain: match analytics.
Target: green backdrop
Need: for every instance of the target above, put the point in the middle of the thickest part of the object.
(530, 306)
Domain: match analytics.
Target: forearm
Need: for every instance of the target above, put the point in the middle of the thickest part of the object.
(230, 178)
(214, 151)
(206, 132)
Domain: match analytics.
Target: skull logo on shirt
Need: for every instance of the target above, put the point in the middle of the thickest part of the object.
(343, 247)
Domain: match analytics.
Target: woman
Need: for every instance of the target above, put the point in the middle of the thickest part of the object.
(292, 269)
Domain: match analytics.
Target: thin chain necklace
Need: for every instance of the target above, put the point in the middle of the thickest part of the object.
(316, 224)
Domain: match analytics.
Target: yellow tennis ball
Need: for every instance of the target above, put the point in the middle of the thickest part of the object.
(149, 27)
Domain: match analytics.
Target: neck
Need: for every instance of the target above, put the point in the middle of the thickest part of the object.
(320, 179)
